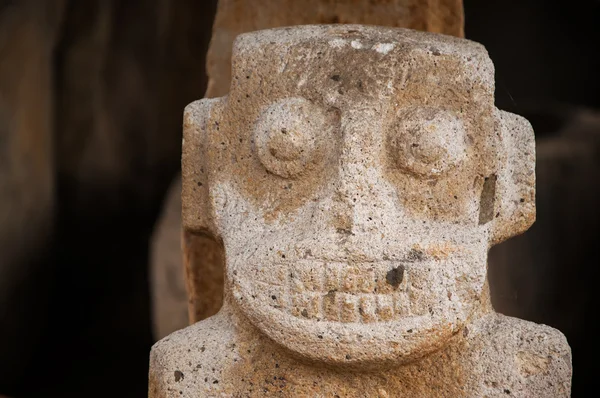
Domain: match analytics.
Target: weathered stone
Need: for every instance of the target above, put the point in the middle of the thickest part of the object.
(171, 280)
(357, 177)
(548, 274)
(205, 285)
(235, 17)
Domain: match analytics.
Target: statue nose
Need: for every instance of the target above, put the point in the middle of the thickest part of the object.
(343, 210)
(350, 197)
(355, 191)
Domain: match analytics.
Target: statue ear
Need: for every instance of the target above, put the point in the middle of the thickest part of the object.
(197, 212)
(514, 208)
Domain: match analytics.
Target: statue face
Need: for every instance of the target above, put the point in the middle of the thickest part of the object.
(353, 177)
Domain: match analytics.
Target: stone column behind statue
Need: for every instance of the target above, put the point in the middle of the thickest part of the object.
(357, 177)
(203, 257)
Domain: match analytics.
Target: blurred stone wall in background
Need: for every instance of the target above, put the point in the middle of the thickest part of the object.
(28, 36)
(91, 100)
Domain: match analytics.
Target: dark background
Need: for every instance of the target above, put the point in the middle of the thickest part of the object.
(75, 311)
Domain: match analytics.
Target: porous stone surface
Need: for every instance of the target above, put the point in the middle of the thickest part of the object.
(495, 356)
(356, 177)
(544, 275)
(235, 17)
(203, 256)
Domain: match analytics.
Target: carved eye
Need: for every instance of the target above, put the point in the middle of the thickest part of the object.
(427, 141)
(291, 135)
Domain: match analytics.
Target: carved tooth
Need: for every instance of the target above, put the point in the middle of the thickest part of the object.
(307, 305)
(382, 285)
(359, 279)
(315, 306)
(295, 283)
(332, 277)
(349, 308)
(418, 279)
(297, 304)
(367, 308)
(401, 304)
(417, 301)
(311, 275)
(331, 309)
(276, 296)
(385, 307)
(366, 282)
(272, 274)
(349, 278)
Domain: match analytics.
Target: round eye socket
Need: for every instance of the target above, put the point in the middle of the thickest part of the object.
(290, 136)
(427, 141)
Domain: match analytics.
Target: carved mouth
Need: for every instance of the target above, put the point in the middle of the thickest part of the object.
(345, 312)
(339, 292)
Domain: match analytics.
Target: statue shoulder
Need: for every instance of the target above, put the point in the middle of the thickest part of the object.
(521, 358)
(190, 361)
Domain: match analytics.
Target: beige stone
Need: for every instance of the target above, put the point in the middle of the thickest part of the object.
(356, 177)
(203, 257)
(171, 280)
(235, 17)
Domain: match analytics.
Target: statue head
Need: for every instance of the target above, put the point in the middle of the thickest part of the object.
(357, 177)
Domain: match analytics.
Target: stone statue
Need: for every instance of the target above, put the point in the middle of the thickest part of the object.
(203, 257)
(357, 177)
